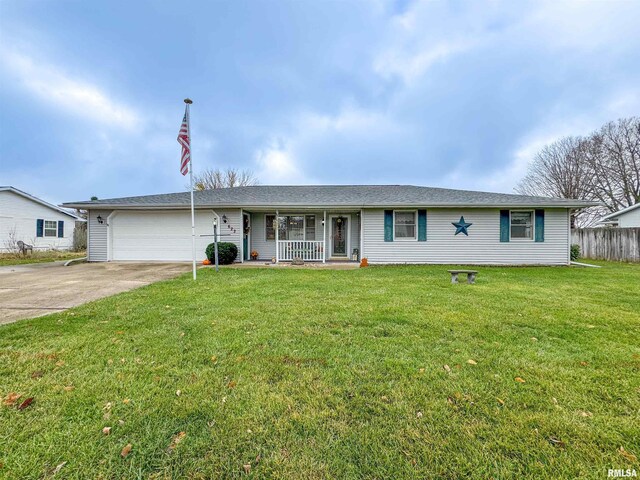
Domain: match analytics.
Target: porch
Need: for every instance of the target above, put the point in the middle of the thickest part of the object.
(318, 236)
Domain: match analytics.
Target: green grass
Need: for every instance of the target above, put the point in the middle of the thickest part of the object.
(38, 257)
(333, 374)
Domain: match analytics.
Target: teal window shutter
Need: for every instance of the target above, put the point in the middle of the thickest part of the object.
(60, 228)
(422, 225)
(539, 225)
(504, 225)
(388, 225)
(40, 227)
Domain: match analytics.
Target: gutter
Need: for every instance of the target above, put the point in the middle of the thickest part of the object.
(269, 207)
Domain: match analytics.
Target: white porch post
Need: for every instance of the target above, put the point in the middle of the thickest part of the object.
(277, 228)
(324, 237)
(241, 236)
(361, 234)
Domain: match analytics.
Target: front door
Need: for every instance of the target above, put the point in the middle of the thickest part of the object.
(339, 236)
(246, 231)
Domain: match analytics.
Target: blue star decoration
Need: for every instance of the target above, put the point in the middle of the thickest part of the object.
(461, 226)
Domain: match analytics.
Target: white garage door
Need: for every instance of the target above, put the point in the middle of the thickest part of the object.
(159, 236)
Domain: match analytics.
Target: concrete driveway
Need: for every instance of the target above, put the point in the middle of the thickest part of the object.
(39, 289)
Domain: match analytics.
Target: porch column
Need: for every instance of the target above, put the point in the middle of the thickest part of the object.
(241, 236)
(277, 228)
(361, 234)
(324, 237)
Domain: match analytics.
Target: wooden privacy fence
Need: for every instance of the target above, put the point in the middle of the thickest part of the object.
(608, 243)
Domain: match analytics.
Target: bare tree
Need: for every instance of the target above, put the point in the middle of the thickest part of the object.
(614, 159)
(603, 167)
(561, 170)
(211, 179)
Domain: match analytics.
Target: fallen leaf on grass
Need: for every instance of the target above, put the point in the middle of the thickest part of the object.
(119, 332)
(59, 363)
(11, 399)
(26, 403)
(419, 414)
(181, 334)
(214, 359)
(557, 442)
(534, 339)
(69, 388)
(126, 450)
(37, 374)
(500, 401)
(58, 468)
(586, 414)
(519, 379)
(126, 401)
(584, 364)
(178, 393)
(106, 430)
(422, 370)
(447, 368)
(472, 362)
(247, 468)
(628, 455)
(175, 441)
(232, 384)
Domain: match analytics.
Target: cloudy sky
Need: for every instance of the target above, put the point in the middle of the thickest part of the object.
(457, 94)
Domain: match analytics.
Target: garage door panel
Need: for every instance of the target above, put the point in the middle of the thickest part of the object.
(159, 236)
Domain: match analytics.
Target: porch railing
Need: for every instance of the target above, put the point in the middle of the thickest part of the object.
(309, 251)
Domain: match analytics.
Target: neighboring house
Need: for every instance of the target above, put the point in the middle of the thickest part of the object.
(384, 223)
(626, 218)
(34, 221)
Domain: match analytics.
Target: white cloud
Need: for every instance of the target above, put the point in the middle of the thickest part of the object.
(412, 66)
(80, 98)
(277, 165)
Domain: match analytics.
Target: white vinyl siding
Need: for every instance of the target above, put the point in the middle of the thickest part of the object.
(482, 246)
(97, 235)
(19, 215)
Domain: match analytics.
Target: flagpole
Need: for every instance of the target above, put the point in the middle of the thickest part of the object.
(188, 101)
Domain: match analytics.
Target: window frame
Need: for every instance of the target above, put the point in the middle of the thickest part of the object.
(304, 225)
(54, 228)
(415, 226)
(533, 225)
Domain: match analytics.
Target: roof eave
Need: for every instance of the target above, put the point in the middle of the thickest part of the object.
(134, 206)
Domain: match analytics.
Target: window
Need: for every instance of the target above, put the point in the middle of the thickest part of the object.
(310, 227)
(270, 232)
(50, 228)
(291, 227)
(404, 224)
(522, 224)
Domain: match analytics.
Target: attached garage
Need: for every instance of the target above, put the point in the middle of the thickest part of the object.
(158, 236)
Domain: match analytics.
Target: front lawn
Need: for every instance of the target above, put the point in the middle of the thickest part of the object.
(38, 256)
(383, 372)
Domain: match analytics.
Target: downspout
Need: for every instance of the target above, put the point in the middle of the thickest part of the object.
(109, 235)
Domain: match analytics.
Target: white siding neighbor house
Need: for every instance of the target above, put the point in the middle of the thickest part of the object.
(626, 218)
(383, 223)
(33, 221)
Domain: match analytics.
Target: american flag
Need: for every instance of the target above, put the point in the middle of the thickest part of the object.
(184, 140)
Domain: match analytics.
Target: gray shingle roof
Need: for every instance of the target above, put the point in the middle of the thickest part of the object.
(332, 196)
